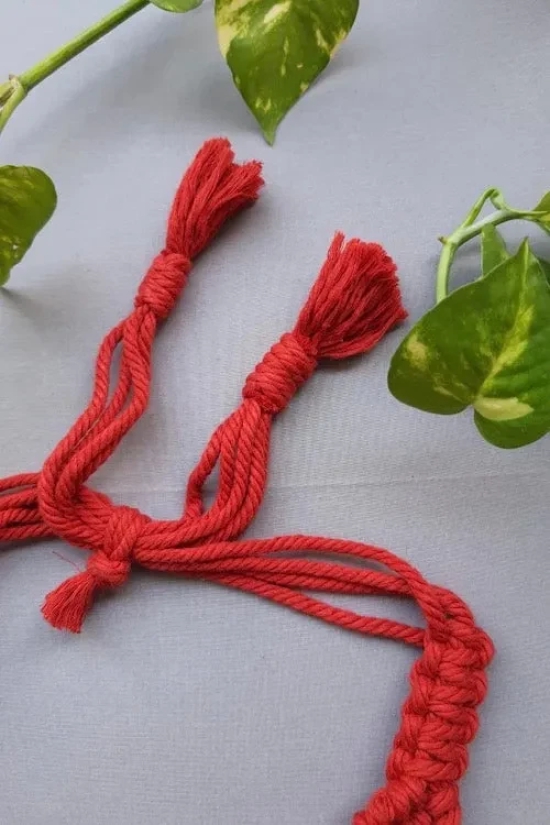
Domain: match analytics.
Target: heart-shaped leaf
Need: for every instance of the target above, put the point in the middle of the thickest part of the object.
(27, 202)
(487, 345)
(275, 50)
(177, 5)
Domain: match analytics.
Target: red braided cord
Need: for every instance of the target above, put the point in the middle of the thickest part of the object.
(353, 303)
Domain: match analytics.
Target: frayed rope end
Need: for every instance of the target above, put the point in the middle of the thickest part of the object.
(65, 608)
(354, 302)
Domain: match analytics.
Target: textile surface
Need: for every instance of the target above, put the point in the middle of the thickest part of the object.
(182, 703)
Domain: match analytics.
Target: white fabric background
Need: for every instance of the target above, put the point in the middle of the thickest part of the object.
(183, 704)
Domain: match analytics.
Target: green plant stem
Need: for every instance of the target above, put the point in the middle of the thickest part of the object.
(16, 96)
(26, 81)
(464, 233)
(490, 194)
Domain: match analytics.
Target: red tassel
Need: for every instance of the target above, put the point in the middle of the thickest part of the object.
(354, 301)
(66, 607)
(213, 190)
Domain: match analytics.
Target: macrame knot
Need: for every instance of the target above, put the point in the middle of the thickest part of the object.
(109, 566)
(439, 720)
(281, 372)
(163, 283)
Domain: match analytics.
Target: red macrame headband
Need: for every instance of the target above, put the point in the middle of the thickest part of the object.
(353, 303)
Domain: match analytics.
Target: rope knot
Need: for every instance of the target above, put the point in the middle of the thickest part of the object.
(281, 372)
(108, 571)
(439, 720)
(163, 283)
(109, 566)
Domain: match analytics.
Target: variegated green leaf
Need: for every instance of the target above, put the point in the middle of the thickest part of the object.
(27, 202)
(493, 249)
(487, 345)
(275, 50)
(177, 5)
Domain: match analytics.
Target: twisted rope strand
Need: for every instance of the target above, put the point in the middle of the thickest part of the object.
(353, 303)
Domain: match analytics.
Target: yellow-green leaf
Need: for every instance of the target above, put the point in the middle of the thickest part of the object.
(487, 345)
(275, 50)
(177, 5)
(27, 202)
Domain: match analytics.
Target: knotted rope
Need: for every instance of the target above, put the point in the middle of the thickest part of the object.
(353, 303)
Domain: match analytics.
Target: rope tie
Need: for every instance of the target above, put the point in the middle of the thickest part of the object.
(352, 304)
(111, 564)
(107, 567)
(163, 283)
(281, 373)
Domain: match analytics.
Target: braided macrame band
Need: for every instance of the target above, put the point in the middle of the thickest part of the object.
(353, 303)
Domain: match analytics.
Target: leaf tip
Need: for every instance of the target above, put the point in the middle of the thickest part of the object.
(269, 134)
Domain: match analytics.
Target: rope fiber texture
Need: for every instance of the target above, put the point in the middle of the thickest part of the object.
(353, 303)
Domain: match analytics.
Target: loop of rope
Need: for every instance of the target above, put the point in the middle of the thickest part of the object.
(353, 303)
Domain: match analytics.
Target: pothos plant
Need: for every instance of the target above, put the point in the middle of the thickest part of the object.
(487, 344)
(275, 50)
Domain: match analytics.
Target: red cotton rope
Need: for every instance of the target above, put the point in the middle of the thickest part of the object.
(353, 303)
